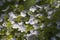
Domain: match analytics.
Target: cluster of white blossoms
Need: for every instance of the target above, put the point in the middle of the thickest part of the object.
(33, 20)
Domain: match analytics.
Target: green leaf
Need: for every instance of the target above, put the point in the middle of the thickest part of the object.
(8, 24)
(30, 3)
(28, 27)
(18, 19)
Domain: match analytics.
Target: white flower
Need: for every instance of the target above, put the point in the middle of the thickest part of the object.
(58, 5)
(16, 5)
(49, 17)
(21, 23)
(13, 38)
(30, 20)
(35, 26)
(23, 13)
(50, 13)
(27, 22)
(22, 28)
(4, 24)
(15, 26)
(39, 6)
(33, 22)
(10, 19)
(39, 15)
(33, 32)
(28, 35)
(42, 25)
(33, 9)
(12, 22)
(11, 14)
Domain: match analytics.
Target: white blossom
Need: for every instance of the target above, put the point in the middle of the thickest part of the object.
(21, 23)
(39, 15)
(35, 26)
(42, 25)
(33, 32)
(13, 38)
(39, 6)
(29, 35)
(4, 24)
(27, 22)
(57, 4)
(33, 9)
(49, 17)
(23, 13)
(16, 5)
(32, 20)
(50, 12)
(15, 26)
(11, 14)
(22, 28)
(12, 22)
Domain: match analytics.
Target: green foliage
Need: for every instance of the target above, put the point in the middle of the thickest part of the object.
(17, 6)
(56, 15)
(28, 27)
(3, 31)
(8, 24)
(42, 2)
(18, 19)
(28, 3)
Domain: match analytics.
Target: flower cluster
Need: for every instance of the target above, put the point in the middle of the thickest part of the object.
(29, 20)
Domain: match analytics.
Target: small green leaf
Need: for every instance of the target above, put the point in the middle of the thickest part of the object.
(30, 3)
